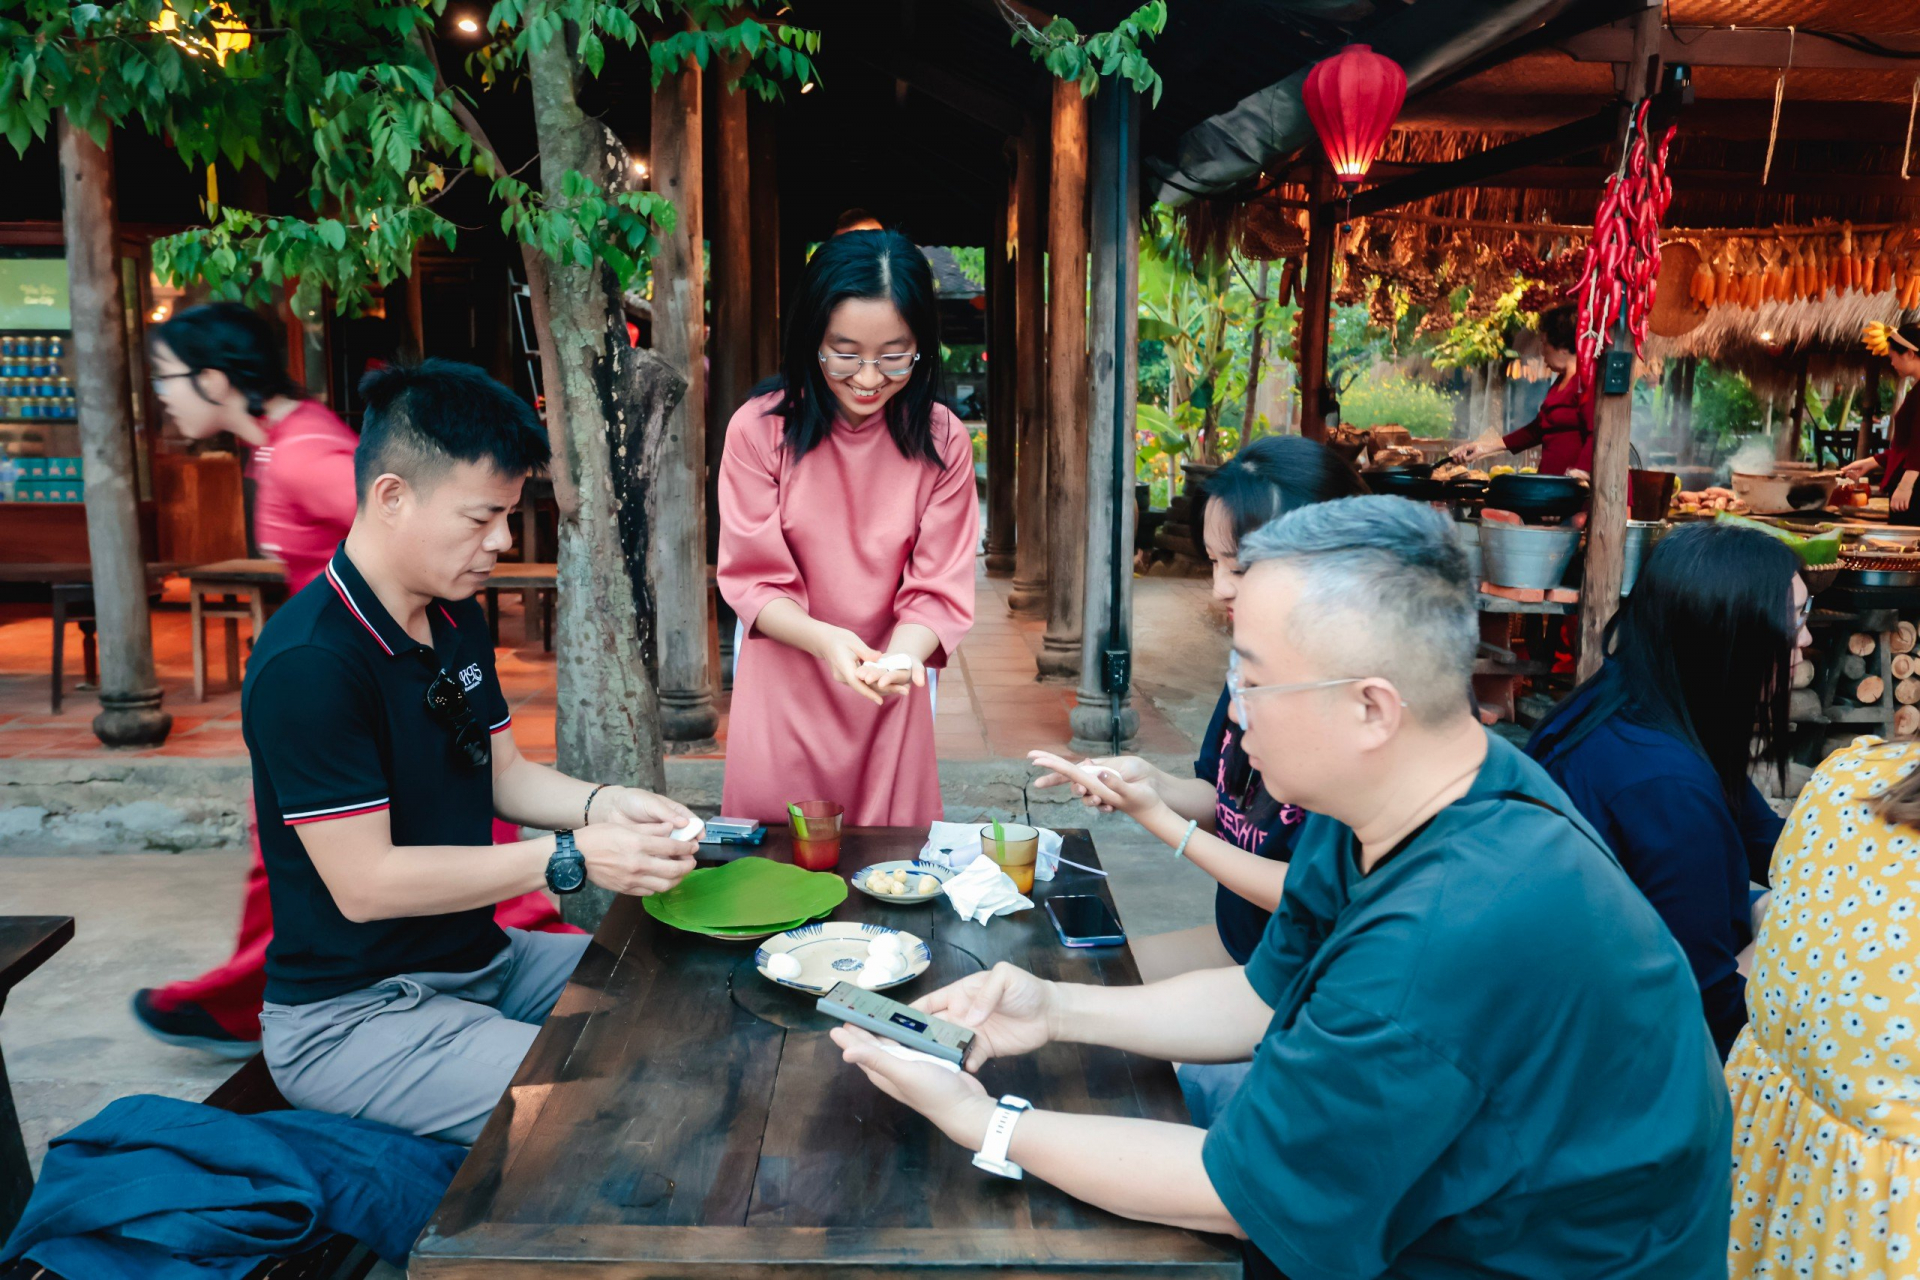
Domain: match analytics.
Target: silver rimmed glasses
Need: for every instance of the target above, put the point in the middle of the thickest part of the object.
(839, 367)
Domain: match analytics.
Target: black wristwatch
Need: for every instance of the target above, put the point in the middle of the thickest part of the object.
(567, 868)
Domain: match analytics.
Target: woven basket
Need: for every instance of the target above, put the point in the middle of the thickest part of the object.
(1270, 231)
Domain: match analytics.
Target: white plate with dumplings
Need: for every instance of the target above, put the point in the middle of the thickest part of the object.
(902, 883)
(814, 957)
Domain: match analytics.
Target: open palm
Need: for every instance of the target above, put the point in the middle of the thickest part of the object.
(1009, 1011)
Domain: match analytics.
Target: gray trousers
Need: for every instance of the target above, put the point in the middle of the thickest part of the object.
(430, 1053)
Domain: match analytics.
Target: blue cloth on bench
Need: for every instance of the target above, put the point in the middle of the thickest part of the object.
(158, 1189)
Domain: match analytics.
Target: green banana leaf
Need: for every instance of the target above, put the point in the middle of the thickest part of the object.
(1815, 550)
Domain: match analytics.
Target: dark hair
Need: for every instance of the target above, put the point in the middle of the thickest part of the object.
(852, 218)
(1278, 474)
(422, 418)
(1702, 649)
(1560, 327)
(882, 265)
(239, 342)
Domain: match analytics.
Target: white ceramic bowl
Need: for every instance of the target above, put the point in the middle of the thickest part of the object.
(835, 951)
(914, 871)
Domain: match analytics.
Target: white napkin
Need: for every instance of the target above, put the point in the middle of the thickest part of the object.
(983, 891)
(957, 844)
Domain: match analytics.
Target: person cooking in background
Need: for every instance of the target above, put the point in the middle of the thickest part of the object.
(1564, 426)
(848, 525)
(217, 369)
(1899, 463)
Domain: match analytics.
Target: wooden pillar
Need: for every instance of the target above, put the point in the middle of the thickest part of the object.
(1869, 410)
(1003, 416)
(1316, 308)
(1103, 717)
(687, 713)
(1027, 231)
(764, 221)
(1066, 383)
(1612, 439)
(130, 714)
(1789, 441)
(730, 339)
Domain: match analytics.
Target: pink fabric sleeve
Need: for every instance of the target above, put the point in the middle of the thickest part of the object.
(324, 489)
(756, 565)
(936, 590)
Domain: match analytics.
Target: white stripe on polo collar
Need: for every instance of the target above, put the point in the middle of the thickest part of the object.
(346, 597)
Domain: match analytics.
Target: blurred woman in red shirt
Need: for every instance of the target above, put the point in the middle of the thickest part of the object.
(1564, 426)
(1898, 465)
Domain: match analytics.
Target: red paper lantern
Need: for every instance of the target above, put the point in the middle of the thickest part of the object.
(1353, 98)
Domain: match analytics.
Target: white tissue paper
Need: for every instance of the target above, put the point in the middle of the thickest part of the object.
(957, 844)
(983, 891)
(914, 1055)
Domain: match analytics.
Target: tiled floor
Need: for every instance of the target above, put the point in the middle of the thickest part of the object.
(991, 704)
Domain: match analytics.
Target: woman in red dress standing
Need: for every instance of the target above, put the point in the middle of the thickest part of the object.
(1898, 465)
(218, 369)
(1564, 426)
(848, 527)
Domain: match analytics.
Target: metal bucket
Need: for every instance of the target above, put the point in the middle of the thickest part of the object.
(1641, 535)
(1527, 555)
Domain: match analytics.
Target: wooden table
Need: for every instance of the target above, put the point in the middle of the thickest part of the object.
(536, 583)
(26, 942)
(681, 1116)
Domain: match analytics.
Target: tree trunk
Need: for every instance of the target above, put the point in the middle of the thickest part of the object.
(1066, 384)
(677, 549)
(1495, 405)
(1249, 419)
(1028, 233)
(604, 398)
(130, 714)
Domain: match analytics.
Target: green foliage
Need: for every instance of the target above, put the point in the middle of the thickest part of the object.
(1061, 48)
(350, 93)
(1725, 407)
(1381, 396)
(1476, 340)
(972, 262)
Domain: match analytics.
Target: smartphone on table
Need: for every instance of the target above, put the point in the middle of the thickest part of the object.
(1083, 920)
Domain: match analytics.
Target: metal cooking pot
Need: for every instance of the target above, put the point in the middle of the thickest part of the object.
(1537, 497)
(1413, 480)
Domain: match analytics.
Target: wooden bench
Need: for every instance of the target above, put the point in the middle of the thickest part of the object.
(248, 1092)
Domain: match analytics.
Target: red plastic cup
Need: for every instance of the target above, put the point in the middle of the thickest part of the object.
(816, 836)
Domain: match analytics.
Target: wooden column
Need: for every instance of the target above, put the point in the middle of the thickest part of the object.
(1003, 416)
(730, 341)
(130, 714)
(1612, 439)
(1316, 308)
(1066, 383)
(1027, 231)
(1103, 717)
(1869, 410)
(687, 713)
(764, 221)
(1788, 445)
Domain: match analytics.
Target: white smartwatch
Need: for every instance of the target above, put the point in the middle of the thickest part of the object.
(992, 1155)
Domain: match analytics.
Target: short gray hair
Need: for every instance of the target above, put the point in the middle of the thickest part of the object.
(1385, 591)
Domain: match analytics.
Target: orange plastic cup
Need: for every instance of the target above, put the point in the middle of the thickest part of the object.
(816, 835)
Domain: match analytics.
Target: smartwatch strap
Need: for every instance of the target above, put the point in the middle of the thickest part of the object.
(992, 1155)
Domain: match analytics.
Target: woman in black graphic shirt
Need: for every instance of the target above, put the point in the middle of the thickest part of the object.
(1244, 836)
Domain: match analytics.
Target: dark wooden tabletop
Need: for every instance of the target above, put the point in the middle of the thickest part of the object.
(681, 1115)
(26, 942)
(247, 571)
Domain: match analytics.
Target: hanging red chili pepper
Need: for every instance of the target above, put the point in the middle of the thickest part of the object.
(1622, 264)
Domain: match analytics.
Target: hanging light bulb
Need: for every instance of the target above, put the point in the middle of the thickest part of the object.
(1353, 98)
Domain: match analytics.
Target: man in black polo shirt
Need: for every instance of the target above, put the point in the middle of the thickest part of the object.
(382, 749)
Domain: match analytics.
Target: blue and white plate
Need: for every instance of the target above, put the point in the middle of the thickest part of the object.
(914, 871)
(835, 951)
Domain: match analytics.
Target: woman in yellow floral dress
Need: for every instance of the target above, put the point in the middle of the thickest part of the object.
(1826, 1076)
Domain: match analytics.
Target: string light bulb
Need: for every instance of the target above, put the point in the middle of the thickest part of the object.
(467, 25)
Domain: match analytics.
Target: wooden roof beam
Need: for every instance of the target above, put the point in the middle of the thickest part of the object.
(1742, 47)
(957, 93)
(1576, 138)
(1574, 177)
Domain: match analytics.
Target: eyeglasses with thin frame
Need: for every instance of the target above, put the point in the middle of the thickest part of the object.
(839, 367)
(1801, 614)
(160, 380)
(1238, 689)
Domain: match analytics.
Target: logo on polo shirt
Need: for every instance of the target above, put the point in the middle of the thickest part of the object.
(470, 677)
